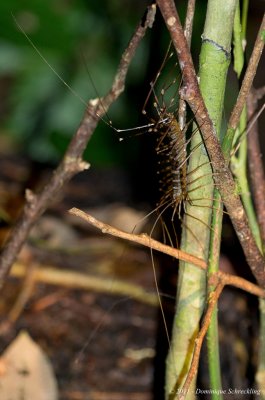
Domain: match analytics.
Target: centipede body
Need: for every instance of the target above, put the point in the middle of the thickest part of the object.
(172, 146)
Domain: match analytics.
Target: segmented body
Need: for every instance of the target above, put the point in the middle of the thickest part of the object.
(172, 146)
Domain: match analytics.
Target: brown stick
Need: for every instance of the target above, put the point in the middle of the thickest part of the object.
(142, 239)
(147, 241)
(189, 20)
(248, 78)
(83, 281)
(188, 34)
(222, 175)
(219, 279)
(255, 164)
(236, 281)
(214, 296)
(50, 275)
(244, 91)
(72, 162)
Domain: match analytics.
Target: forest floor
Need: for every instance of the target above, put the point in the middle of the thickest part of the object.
(104, 345)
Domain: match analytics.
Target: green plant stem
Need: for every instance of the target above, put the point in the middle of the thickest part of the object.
(191, 291)
(244, 18)
(240, 165)
(237, 41)
(213, 266)
(239, 168)
(212, 335)
(245, 88)
(260, 375)
(239, 162)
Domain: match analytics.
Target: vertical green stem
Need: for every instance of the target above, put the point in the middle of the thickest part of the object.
(213, 266)
(239, 161)
(239, 165)
(260, 376)
(212, 335)
(191, 291)
(239, 168)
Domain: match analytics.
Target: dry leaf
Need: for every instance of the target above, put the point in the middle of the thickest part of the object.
(25, 372)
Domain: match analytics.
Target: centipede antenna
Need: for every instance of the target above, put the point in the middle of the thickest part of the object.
(136, 128)
(167, 56)
(46, 61)
(107, 122)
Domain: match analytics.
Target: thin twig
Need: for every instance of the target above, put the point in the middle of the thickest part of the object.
(256, 170)
(214, 296)
(248, 78)
(222, 175)
(188, 34)
(244, 91)
(72, 162)
(220, 280)
(25, 292)
(142, 239)
(77, 280)
(189, 20)
(238, 282)
(147, 241)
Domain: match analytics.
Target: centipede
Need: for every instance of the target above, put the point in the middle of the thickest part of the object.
(173, 145)
(179, 187)
(174, 148)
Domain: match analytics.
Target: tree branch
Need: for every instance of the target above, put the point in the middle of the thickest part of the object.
(244, 91)
(83, 281)
(248, 78)
(147, 241)
(255, 163)
(222, 175)
(188, 34)
(220, 280)
(213, 298)
(142, 239)
(72, 162)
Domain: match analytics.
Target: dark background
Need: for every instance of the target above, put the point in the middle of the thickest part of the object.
(39, 114)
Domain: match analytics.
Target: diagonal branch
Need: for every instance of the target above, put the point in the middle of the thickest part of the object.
(142, 239)
(255, 163)
(188, 34)
(147, 241)
(248, 78)
(72, 162)
(244, 90)
(222, 175)
(219, 280)
(199, 340)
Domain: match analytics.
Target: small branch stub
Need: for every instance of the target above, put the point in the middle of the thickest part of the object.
(30, 197)
(171, 21)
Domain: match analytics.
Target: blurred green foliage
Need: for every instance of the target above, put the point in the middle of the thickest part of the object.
(38, 111)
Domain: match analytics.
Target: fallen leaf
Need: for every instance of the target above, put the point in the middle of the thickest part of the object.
(26, 373)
